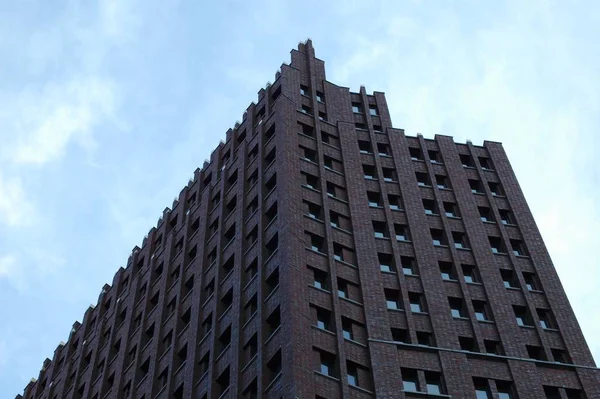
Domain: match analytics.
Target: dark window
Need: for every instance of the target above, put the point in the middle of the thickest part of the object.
(401, 231)
(518, 247)
(485, 214)
(304, 90)
(389, 174)
(447, 271)
(369, 172)
(415, 154)
(457, 308)
(327, 364)
(505, 390)
(422, 179)
(410, 380)
(496, 189)
(430, 207)
(320, 97)
(506, 216)
(451, 210)
(476, 187)
(470, 274)
(357, 108)
(438, 238)
(481, 311)
(392, 298)
(468, 344)
(496, 245)
(395, 202)
(417, 304)
(522, 315)
(442, 182)
(509, 279)
(535, 352)
(546, 319)
(434, 156)
(323, 318)
(374, 199)
(552, 393)
(320, 279)
(386, 262)
(486, 163)
(435, 384)
(466, 160)
(400, 335)
(383, 150)
(380, 229)
(482, 389)
(531, 281)
(364, 147)
(373, 110)
(314, 210)
(409, 266)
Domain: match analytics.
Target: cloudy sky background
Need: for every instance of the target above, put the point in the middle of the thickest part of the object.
(106, 109)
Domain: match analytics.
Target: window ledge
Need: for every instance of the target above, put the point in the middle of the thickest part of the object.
(351, 301)
(360, 389)
(327, 376)
(486, 321)
(320, 289)
(315, 251)
(426, 394)
(322, 330)
(488, 222)
(395, 310)
(310, 188)
(463, 248)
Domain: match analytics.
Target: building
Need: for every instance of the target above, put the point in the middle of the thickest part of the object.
(322, 253)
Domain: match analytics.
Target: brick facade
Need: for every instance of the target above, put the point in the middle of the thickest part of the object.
(299, 262)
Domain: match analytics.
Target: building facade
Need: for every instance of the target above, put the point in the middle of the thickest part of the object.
(322, 253)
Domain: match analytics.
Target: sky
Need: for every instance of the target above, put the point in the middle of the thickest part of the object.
(107, 107)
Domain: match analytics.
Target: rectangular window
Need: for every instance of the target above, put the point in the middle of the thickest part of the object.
(380, 229)
(364, 147)
(438, 238)
(416, 302)
(369, 172)
(357, 108)
(409, 267)
(457, 308)
(470, 274)
(392, 299)
(395, 202)
(430, 207)
(386, 262)
(481, 311)
(415, 154)
(373, 110)
(374, 199)
(460, 240)
(451, 210)
(434, 156)
(422, 179)
(410, 380)
(447, 271)
(402, 233)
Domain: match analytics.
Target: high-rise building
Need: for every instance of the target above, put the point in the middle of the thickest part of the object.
(322, 253)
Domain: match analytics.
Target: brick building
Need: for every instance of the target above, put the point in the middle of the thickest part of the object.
(322, 253)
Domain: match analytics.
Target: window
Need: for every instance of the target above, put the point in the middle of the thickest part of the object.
(395, 202)
(509, 279)
(311, 181)
(332, 190)
(460, 240)
(470, 274)
(305, 91)
(320, 97)
(434, 156)
(320, 279)
(360, 126)
(373, 110)
(364, 147)
(410, 380)
(560, 356)
(386, 263)
(535, 352)
(352, 374)
(309, 154)
(401, 232)
(531, 281)
(415, 154)
(306, 109)
(546, 319)
(442, 182)
(314, 210)
(552, 393)
(496, 245)
(334, 219)
(380, 230)
(383, 150)
(451, 210)
(417, 304)
(518, 247)
(357, 108)
(389, 174)
(485, 214)
(434, 383)
(486, 163)
(466, 160)
(223, 381)
(338, 252)
(482, 389)
(347, 328)
(522, 315)
(476, 187)
(447, 271)
(374, 199)
(430, 207)
(574, 394)
(425, 338)
(392, 299)
(468, 344)
(342, 288)
(408, 265)
(322, 116)
(505, 390)
(506, 217)
(438, 238)
(327, 364)
(422, 179)
(493, 347)
(496, 189)
(457, 308)
(306, 130)
(369, 172)
(273, 321)
(323, 318)
(316, 243)
(481, 311)
(400, 335)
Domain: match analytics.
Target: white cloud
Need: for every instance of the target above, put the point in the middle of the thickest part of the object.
(60, 115)
(15, 209)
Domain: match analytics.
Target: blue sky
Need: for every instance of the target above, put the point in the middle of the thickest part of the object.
(107, 108)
